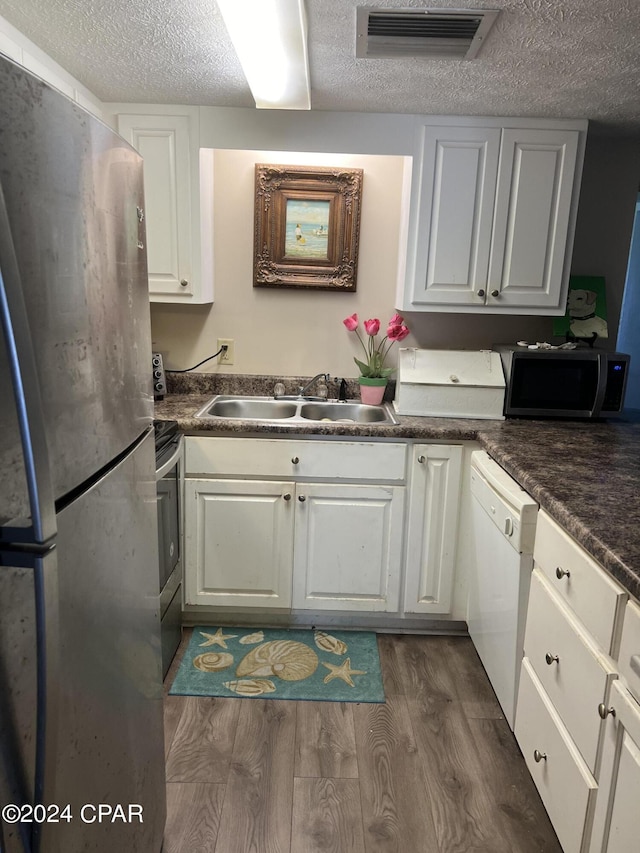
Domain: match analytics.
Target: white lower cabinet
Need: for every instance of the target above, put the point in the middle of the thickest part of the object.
(576, 724)
(348, 547)
(434, 499)
(566, 786)
(320, 525)
(615, 828)
(238, 543)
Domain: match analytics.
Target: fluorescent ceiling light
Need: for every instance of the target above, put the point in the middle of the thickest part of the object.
(270, 38)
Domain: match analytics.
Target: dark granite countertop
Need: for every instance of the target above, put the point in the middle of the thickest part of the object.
(586, 475)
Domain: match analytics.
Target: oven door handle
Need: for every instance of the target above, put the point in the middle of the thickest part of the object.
(171, 461)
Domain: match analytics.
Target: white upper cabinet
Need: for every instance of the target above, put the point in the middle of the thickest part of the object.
(178, 189)
(493, 213)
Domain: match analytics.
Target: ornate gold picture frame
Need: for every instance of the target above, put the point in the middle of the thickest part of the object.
(307, 227)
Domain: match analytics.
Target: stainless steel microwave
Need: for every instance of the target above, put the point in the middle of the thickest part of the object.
(571, 383)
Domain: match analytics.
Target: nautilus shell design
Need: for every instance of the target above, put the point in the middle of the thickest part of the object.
(250, 639)
(329, 644)
(213, 661)
(286, 659)
(251, 686)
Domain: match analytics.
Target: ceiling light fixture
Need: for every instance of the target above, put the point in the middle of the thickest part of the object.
(270, 38)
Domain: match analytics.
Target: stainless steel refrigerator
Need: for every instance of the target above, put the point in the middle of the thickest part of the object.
(80, 655)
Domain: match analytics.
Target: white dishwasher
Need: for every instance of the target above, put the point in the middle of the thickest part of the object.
(503, 521)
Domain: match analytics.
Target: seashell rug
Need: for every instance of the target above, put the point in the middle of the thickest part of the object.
(330, 666)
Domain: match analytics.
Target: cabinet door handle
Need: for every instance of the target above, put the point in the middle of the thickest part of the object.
(295, 460)
(301, 498)
(480, 293)
(539, 756)
(184, 282)
(495, 293)
(562, 573)
(604, 712)
(551, 658)
(421, 459)
(287, 497)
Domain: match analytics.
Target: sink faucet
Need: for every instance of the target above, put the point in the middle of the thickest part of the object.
(303, 389)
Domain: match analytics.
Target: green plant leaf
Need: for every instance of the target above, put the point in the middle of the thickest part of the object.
(386, 372)
(364, 368)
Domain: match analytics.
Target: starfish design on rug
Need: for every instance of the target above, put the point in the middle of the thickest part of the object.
(217, 639)
(343, 671)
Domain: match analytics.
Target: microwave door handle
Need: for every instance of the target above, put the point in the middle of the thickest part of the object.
(602, 384)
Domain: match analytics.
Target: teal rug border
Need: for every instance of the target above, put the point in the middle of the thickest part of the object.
(362, 651)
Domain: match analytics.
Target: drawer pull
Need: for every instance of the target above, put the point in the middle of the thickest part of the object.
(481, 293)
(287, 497)
(421, 459)
(604, 711)
(539, 756)
(295, 460)
(301, 498)
(184, 282)
(551, 658)
(562, 573)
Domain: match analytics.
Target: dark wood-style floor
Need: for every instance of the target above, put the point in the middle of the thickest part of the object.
(435, 769)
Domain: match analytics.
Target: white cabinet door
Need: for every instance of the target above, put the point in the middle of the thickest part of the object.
(567, 788)
(348, 547)
(238, 543)
(530, 252)
(615, 827)
(169, 147)
(459, 168)
(492, 216)
(432, 528)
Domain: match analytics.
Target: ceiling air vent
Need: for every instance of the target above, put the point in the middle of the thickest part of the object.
(430, 33)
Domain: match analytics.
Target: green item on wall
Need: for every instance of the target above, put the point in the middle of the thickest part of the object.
(586, 309)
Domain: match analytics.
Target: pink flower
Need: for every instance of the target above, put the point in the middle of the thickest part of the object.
(397, 333)
(372, 327)
(351, 322)
(375, 352)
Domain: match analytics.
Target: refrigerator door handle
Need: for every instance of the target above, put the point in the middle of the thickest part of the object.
(43, 561)
(32, 545)
(45, 577)
(26, 390)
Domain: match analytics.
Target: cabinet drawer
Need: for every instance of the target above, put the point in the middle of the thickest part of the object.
(334, 460)
(578, 681)
(595, 598)
(629, 662)
(562, 778)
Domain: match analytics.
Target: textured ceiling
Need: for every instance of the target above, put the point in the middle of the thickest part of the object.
(552, 58)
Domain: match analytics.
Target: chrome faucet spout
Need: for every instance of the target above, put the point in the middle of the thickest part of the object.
(303, 389)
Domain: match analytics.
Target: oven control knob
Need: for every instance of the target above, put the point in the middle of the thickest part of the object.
(158, 386)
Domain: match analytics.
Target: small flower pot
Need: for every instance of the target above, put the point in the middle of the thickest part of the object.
(372, 390)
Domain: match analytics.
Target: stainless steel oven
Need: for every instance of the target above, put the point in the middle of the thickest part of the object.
(169, 443)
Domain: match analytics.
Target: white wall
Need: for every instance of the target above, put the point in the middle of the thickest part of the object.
(286, 331)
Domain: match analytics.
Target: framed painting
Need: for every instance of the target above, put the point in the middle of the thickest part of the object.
(307, 227)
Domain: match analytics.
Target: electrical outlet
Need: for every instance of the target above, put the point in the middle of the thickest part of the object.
(225, 357)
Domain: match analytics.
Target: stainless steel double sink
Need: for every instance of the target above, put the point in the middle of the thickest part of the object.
(296, 409)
